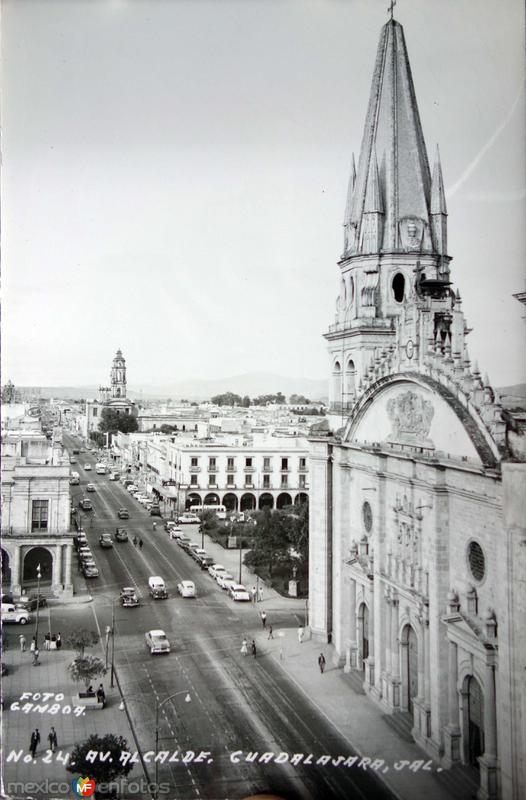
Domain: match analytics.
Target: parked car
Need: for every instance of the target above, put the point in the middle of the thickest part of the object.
(206, 561)
(85, 504)
(226, 580)
(183, 541)
(215, 569)
(90, 487)
(90, 571)
(123, 513)
(188, 519)
(105, 540)
(121, 535)
(155, 511)
(157, 588)
(186, 588)
(72, 460)
(87, 467)
(32, 602)
(12, 614)
(131, 487)
(239, 593)
(129, 597)
(197, 553)
(175, 533)
(170, 523)
(157, 642)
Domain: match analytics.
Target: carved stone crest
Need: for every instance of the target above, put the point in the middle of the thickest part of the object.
(411, 416)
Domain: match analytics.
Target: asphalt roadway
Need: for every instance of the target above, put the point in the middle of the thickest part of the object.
(239, 705)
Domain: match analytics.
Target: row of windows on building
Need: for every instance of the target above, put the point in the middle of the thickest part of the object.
(248, 481)
(249, 463)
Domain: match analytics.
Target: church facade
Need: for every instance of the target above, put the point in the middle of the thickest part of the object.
(418, 517)
(113, 397)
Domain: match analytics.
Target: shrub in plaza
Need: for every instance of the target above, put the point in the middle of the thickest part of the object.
(105, 771)
(280, 542)
(79, 640)
(86, 669)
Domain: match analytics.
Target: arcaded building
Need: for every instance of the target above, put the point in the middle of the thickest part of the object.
(418, 510)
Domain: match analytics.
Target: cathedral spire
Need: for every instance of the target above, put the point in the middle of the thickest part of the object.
(393, 135)
(438, 207)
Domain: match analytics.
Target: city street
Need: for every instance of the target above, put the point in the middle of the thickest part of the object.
(237, 703)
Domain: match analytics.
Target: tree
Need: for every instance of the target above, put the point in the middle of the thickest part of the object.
(79, 640)
(298, 400)
(98, 438)
(246, 401)
(101, 771)
(272, 540)
(85, 669)
(111, 421)
(226, 399)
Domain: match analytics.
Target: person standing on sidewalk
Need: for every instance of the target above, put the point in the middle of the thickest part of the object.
(53, 741)
(140, 544)
(263, 616)
(321, 662)
(244, 647)
(270, 634)
(300, 634)
(35, 741)
(36, 653)
(22, 640)
(253, 648)
(260, 594)
(47, 641)
(59, 641)
(33, 645)
(254, 594)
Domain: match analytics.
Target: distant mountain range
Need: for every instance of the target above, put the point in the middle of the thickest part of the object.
(251, 384)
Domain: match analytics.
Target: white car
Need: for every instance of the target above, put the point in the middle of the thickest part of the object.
(225, 580)
(215, 569)
(12, 614)
(87, 467)
(157, 642)
(189, 518)
(131, 488)
(186, 588)
(175, 533)
(238, 592)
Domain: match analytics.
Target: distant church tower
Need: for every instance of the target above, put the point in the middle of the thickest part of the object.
(395, 225)
(118, 376)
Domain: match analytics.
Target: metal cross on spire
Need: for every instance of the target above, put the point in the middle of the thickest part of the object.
(391, 7)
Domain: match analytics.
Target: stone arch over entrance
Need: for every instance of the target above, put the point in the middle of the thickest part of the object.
(284, 499)
(34, 557)
(473, 720)
(193, 499)
(6, 569)
(230, 501)
(247, 502)
(409, 642)
(363, 634)
(266, 501)
(211, 499)
(301, 498)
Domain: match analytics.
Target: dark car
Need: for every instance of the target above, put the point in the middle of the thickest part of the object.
(105, 540)
(85, 504)
(29, 602)
(155, 511)
(123, 513)
(205, 562)
(121, 535)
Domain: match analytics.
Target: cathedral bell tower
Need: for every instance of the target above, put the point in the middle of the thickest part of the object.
(118, 376)
(395, 225)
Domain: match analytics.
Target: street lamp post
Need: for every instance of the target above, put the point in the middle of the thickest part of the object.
(112, 643)
(39, 575)
(158, 706)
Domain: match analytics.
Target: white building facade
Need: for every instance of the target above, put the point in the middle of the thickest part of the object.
(418, 518)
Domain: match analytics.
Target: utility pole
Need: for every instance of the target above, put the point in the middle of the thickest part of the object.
(112, 643)
(39, 575)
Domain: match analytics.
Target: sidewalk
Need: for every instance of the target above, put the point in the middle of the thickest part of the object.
(21, 685)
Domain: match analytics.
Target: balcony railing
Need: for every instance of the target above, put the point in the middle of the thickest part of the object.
(249, 469)
(285, 469)
(195, 469)
(267, 469)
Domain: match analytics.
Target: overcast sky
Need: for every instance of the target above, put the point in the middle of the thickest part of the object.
(175, 172)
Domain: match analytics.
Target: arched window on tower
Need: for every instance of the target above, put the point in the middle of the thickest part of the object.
(350, 381)
(337, 384)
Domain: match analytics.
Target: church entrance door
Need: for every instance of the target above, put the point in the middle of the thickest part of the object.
(364, 633)
(475, 746)
(412, 668)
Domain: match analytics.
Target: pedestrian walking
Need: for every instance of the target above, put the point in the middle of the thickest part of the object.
(260, 594)
(140, 544)
(33, 644)
(47, 641)
(59, 641)
(53, 643)
(52, 739)
(101, 694)
(270, 634)
(135, 541)
(281, 653)
(36, 653)
(321, 662)
(35, 741)
(154, 525)
(300, 634)
(263, 619)
(22, 640)
(253, 648)
(254, 594)
(244, 647)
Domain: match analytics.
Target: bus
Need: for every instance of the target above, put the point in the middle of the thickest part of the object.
(219, 511)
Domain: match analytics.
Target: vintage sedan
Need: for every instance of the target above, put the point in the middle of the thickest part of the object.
(239, 593)
(215, 569)
(105, 540)
(157, 642)
(186, 589)
(129, 597)
(121, 535)
(123, 513)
